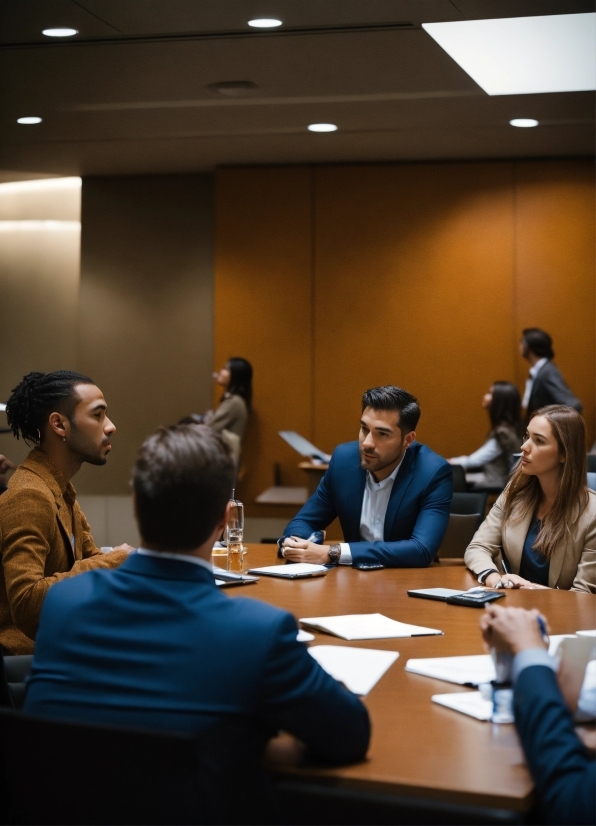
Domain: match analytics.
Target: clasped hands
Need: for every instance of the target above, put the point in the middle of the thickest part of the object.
(511, 581)
(295, 549)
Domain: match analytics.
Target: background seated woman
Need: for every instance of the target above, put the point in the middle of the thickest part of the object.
(493, 459)
(232, 411)
(541, 531)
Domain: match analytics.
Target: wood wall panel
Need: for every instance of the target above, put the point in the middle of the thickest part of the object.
(555, 279)
(421, 275)
(413, 282)
(263, 286)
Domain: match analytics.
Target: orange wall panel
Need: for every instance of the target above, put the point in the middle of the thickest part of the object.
(555, 280)
(263, 305)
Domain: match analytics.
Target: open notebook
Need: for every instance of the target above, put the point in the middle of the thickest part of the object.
(366, 627)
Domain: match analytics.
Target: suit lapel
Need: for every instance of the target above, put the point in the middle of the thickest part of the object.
(355, 480)
(64, 529)
(400, 486)
(514, 536)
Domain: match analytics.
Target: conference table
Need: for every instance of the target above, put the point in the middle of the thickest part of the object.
(420, 749)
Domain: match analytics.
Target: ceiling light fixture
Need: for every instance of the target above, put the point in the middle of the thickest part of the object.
(322, 127)
(525, 123)
(60, 32)
(523, 55)
(264, 23)
(29, 121)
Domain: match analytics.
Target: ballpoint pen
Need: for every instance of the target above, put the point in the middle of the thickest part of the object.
(543, 631)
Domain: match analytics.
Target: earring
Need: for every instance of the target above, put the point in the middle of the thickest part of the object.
(64, 438)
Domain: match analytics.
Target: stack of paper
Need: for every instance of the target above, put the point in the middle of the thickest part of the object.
(471, 670)
(366, 627)
(359, 669)
(468, 702)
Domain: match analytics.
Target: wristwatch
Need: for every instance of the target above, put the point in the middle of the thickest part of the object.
(483, 575)
(334, 554)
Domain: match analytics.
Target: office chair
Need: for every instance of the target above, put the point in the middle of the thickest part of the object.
(591, 460)
(591, 481)
(67, 772)
(459, 478)
(460, 530)
(14, 671)
(472, 502)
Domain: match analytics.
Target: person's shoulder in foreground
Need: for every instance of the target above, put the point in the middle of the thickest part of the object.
(156, 644)
(564, 773)
(44, 536)
(392, 495)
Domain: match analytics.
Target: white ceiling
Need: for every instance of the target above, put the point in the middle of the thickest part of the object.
(129, 94)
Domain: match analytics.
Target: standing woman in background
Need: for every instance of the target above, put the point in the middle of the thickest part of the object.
(234, 407)
(541, 531)
(493, 459)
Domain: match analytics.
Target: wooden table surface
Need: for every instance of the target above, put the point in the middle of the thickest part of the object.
(418, 748)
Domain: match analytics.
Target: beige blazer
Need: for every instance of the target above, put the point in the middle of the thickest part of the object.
(231, 414)
(573, 564)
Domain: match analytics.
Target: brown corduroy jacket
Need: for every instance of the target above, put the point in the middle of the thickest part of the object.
(36, 547)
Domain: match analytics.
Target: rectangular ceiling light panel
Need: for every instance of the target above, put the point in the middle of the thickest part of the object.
(523, 55)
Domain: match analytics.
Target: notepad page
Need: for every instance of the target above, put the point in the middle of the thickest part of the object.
(467, 702)
(471, 670)
(291, 570)
(366, 627)
(359, 669)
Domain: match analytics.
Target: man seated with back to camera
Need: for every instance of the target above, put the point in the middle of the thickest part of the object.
(392, 494)
(155, 644)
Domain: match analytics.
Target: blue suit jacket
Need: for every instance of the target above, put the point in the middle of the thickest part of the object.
(417, 513)
(155, 644)
(565, 777)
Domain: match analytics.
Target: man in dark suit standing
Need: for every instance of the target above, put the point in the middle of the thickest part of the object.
(545, 384)
(392, 495)
(564, 774)
(155, 644)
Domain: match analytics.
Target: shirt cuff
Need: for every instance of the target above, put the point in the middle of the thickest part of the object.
(346, 554)
(531, 656)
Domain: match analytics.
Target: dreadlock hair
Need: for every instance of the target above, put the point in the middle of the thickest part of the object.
(38, 395)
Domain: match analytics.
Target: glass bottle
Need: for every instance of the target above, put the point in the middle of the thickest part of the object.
(235, 535)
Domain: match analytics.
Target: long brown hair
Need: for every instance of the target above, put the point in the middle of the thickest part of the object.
(524, 492)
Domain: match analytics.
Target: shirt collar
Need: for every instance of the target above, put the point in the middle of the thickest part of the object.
(194, 560)
(385, 483)
(537, 367)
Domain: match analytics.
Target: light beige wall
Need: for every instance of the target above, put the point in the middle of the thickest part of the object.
(145, 328)
(39, 282)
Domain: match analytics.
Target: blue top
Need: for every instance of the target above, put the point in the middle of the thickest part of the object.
(534, 565)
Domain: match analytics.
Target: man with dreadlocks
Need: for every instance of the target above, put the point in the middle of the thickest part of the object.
(44, 536)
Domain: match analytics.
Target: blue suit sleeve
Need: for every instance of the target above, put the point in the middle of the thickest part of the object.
(564, 776)
(431, 524)
(317, 513)
(302, 699)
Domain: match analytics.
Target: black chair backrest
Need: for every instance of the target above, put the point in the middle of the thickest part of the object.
(460, 530)
(5, 695)
(16, 671)
(459, 478)
(75, 773)
(470, 503)
(591, 460)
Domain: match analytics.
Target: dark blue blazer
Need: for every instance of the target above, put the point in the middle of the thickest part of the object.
(155, 644)
(564, 775)
(417, 513)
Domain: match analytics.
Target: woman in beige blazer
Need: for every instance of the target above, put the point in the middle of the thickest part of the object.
(541, 532)
(232, 412)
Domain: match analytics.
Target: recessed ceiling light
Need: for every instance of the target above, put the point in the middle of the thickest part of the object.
(322, 127)
(28, 120)
(264, 23)
(523, 55)
(60, 32)
(523, 122)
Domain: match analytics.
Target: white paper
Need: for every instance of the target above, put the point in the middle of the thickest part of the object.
(591, 633)
(366, 627)
(359, 669)
(291, 569)
(555, 641)
(468, 702)
(471, 670)
(304, 636)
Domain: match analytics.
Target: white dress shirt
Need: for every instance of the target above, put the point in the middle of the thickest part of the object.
(372, 515)
(530, 381)
(195, 560)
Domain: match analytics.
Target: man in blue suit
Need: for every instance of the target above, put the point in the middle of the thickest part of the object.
(564, 774)
(392, 495)
(155, 644)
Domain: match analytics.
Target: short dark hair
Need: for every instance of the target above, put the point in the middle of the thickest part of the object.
(539, 342)
(394, 398)
(38, 395)
(183, 478)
